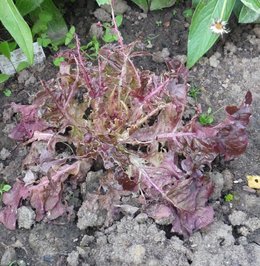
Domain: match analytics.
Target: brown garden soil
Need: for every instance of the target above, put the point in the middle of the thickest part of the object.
(224, 75)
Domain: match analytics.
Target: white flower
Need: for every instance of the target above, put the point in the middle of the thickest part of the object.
(219, 27)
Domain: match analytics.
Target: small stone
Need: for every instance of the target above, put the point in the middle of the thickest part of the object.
(182, 58)
(228, 180)
(30, 80)
(243, 231)
(240, 180)
(161, 56)
(25, 217)
(142, 16)
(23, 76)
(73, 258)
(86, 240)
(128, 209)
(21, 263)
(119, 6)
(230, 47)
(90, 215)
(242, 240)
(29, 177)
(218, 181)
(91, 182)
(253, 223)
(102, 15)
(137, 252)
(96, 31)
(4, 154)
(257, 30)
(1, 167)
(82, 252)
(237, 218)
(8, 257)
(249, 189)
(213, 61)
(141, 218)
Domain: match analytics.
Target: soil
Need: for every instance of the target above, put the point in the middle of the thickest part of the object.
(224, 75)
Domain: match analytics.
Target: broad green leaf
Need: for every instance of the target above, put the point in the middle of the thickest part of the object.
(70, 35)
(159, 4)
(252, 4)
(187, 13)
(103, 2)
(17, 27)
(56, 27)
(41, 24)
(248, 15)
(108, 36)
(12, 46)
(6, 188)
(4, 77)
(43, 40)
(57, 61)
(119, 20)
(143, 4)
(237, 8)
(27, 6)
(201, 38)
(195, 3)
(5, 49)
(22, 66)
(7, 92)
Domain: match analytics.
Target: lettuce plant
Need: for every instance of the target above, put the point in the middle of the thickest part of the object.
(131, 121)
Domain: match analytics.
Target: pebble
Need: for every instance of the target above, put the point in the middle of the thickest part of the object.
(86, 240)
(242, 240)
(228, 180)
(141, 218)
(230, 47)
(137, 252)
(161, 56)
(4, 154)
(240, 180)
(102, 15)
(8, 257)
(142, 16)
(25, 217)
(253, 223)
(73, 258)
(237, 218)
(30, 80)
(248, 189)
(182, 58)
(128, 209)
(96, 31)
(23, 76)
(244, 231)
(218, 181)
(120, 7)
(21, 263)
(257, 30)
(213, 61)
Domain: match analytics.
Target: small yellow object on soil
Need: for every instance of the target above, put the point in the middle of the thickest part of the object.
(253, 181)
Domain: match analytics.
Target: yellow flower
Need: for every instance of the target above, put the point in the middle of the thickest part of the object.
(219, 27)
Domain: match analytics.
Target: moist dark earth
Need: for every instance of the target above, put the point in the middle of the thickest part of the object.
(224, 75)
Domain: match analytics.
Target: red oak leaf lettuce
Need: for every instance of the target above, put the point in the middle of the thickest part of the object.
(131, 121)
